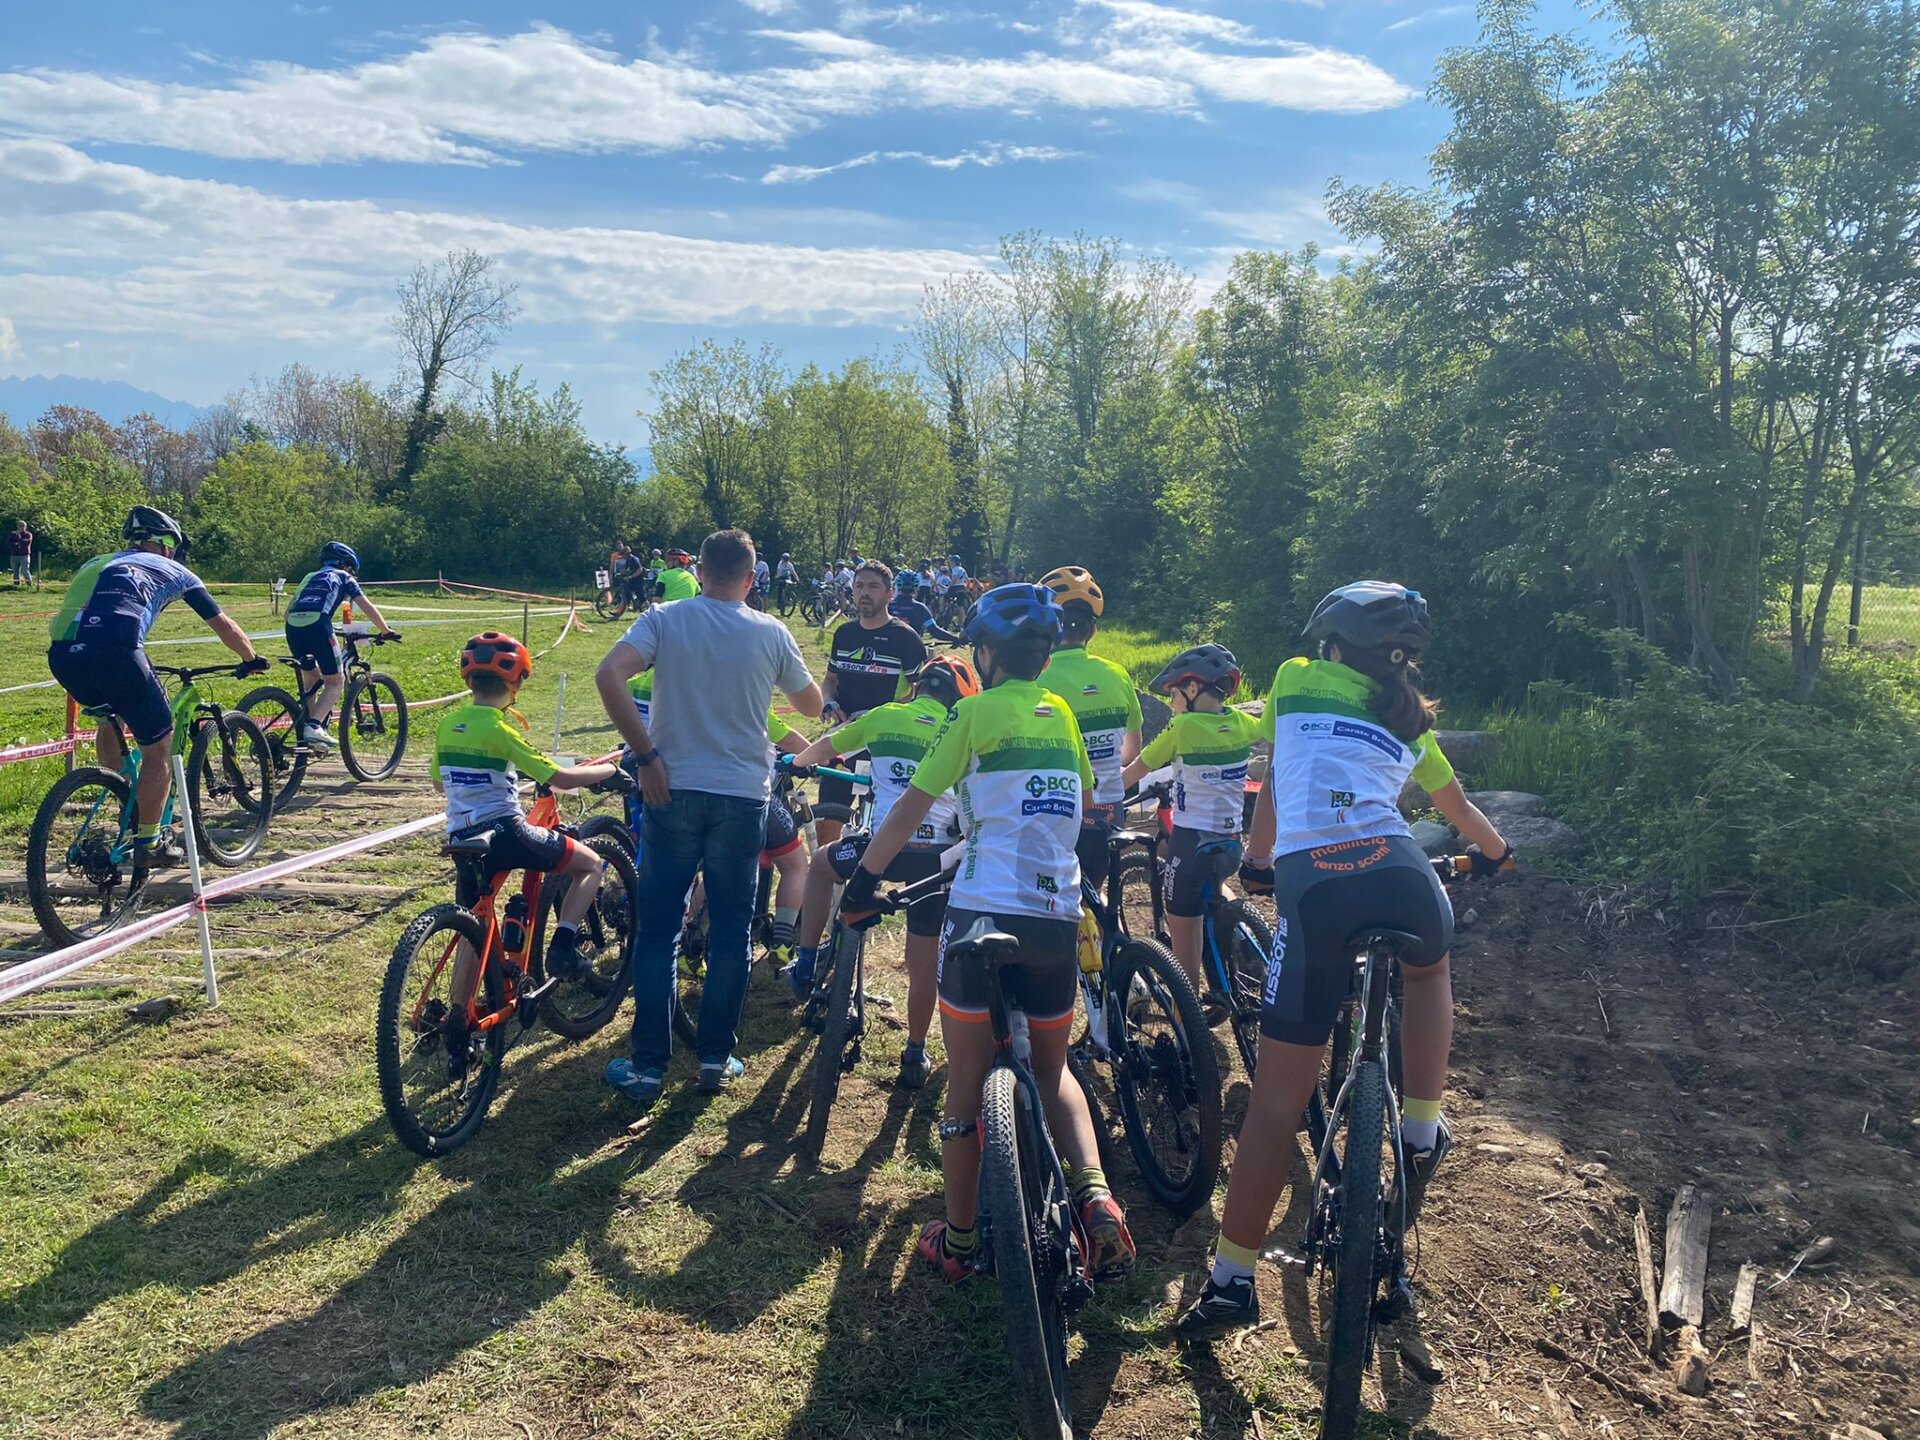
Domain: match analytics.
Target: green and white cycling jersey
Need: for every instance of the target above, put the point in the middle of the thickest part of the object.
(1208, 752)
(1106, 706)
(1337, 771)
(677, 584)
(1015, 762)
(480, 756)
(897, 737)
(641, 688)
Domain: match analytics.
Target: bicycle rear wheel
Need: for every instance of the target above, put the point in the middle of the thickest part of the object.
(1142, 908)
(373, 727)
(1167, 1075)
(277, 713)
(77, 888)
(1017, 1204)
(436, 1078)
(608, 608)
(577, 1008)
(1349, 1320)
(840, 1029)
(230, 788)
(1246, 944)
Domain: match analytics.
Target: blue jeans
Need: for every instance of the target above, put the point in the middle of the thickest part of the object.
(723, 835)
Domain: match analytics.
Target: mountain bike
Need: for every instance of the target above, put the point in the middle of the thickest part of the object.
(463, 972)
(1029, 1233)
(1146, 1025)
(817, 604)
(373, 718)
(690, 945)
(836, 1007)
(80, 850)
(1235, 940)
(1356, 1229)
(614, 595)
(786, 596)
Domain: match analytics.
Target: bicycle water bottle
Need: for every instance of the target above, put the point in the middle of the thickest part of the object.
(1089, 943)
(1022, 1042)
(513, 930)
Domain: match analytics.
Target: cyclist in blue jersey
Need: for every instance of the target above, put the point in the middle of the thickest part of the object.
(310, 632)
(97, 655)
(906, 606)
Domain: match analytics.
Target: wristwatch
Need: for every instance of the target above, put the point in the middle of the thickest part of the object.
(647, 759)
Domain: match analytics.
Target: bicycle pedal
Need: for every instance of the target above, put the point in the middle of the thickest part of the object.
(1396, 1305)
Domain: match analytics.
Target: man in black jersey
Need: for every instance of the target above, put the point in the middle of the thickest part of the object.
(867, 664)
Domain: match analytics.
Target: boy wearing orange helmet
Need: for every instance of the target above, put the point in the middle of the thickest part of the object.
(478, 759)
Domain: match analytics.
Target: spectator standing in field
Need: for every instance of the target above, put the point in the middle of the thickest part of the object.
(705, 772)
(20, 543)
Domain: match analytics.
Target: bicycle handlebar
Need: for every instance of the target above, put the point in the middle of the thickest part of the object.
(239, 670)
(807, 772)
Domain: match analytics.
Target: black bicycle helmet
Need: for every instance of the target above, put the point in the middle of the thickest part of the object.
(144, 523)
(1372, 615)
(1013, 612)
(1210, 664)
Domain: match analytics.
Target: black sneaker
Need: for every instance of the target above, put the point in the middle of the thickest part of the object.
(1420, 1167)
(915, 1067)
(564, 960)
(1219, 1309)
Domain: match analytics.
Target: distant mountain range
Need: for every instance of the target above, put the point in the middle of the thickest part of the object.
(24, 399)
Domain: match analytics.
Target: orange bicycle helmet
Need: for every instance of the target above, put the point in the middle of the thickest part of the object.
(492, 653)
(1074, 582)
(947, 678)
(678, 557)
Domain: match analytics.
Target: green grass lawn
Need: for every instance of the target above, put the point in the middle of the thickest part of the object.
(1888, 613)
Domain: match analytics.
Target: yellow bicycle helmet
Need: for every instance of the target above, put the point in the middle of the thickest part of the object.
(1070, 583)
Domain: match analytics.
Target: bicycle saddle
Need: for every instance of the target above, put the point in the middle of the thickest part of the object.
(1394, 942)
(472, 846)
(99, 711)
(1121, 839)
(981, 935)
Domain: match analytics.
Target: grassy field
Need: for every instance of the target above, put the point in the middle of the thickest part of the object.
(1888, 614)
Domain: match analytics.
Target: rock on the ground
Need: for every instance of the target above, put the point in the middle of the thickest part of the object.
(1471, 751)
(1499, 804)
(1435, 839)
(1538, 834)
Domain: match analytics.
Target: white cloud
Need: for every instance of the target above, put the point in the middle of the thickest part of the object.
(1444, 12)
(9, 342)
(986, 156)
(104, 248)
(467, 98)
(768, 7)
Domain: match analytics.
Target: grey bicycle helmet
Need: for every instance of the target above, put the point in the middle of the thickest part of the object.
(1210, 664)
(144, 523)
(1372, 615)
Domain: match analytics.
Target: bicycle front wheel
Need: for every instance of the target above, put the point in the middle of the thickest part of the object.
(277, 714)
(1349, 1319)
(577, 1008)
(436, 1077)
(1167, 1074)
(606, 607)
(1016, 1199)
(839, 1036)
(230, 788)
(373, 727)
(75, 883)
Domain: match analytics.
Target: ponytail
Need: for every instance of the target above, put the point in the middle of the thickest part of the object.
(1396, 702)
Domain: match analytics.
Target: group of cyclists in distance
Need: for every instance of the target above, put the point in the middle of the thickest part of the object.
(1018, 747)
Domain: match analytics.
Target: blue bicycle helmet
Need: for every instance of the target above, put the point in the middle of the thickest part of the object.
(1014, 612)
(338, 555)
(905, 583)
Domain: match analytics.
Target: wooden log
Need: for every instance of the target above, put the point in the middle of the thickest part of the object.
(1690, 1363)
(1649, 1291)
(1683, 1286)
(1740, 1316)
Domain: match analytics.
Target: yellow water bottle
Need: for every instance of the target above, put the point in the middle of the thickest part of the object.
(1089, 943)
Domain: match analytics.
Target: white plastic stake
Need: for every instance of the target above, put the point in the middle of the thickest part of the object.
(184, 810)
(559, 709)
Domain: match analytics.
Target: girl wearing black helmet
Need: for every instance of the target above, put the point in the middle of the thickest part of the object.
(1208, 746)
(1018, 769)
(310, 634)
(1349, 729)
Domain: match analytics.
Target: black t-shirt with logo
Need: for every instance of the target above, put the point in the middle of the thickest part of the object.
(868, 664)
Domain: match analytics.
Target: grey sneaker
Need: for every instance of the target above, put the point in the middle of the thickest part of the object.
(717, 1076)
(1420, 1167)
(1219, 1309)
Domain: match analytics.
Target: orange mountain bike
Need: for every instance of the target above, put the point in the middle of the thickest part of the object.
(463, 972)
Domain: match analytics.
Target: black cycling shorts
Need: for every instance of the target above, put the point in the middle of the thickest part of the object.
(909, 867)
(1321, 898)
(315, 647)
(783, 832)
(114, 676)
(835, 791)
(1188, 872)
(1043, 982)
(517, 845)
(1095, 850)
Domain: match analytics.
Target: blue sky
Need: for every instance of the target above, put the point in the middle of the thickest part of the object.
(194, 192)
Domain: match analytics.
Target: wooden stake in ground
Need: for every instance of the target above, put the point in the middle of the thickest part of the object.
(1649, 1291)
(1741, 1315)
(1683, 1289)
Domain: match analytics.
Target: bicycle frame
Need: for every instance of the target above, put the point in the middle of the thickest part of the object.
(185, 708)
